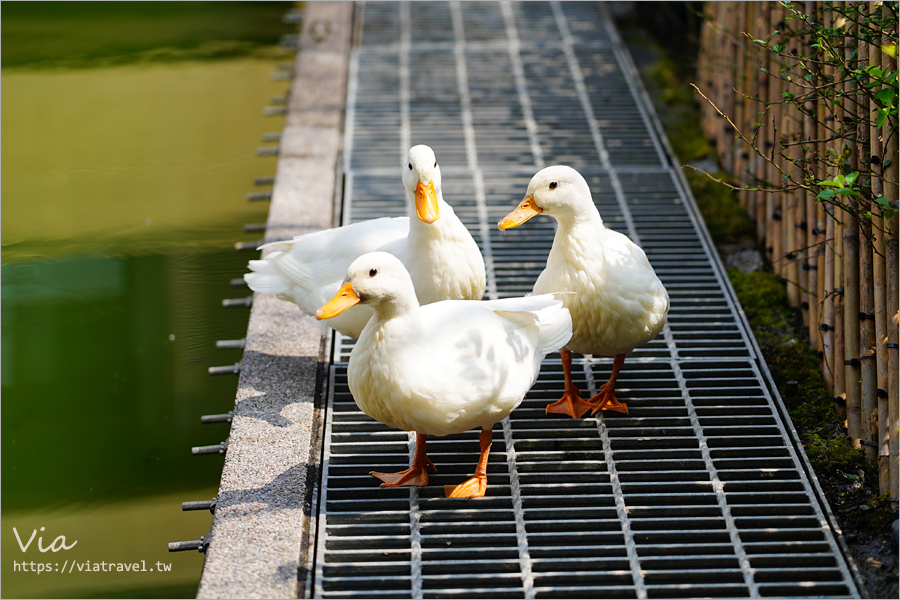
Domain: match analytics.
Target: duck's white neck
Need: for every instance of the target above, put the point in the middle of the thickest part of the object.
(400, 307)
(439, 229)
(391, 326)
(586, 215)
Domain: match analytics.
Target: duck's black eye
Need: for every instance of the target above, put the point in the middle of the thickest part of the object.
(435, 164)
(373, 272)
(552, 185)
(409, 165)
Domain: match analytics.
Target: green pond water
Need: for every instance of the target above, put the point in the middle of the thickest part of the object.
(129, 133)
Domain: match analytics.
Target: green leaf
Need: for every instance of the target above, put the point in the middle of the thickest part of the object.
(886, 96)
(851, 178)
(890, 50)
(826, 194)
(888, 209)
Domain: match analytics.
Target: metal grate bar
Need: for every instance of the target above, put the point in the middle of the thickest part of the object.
(512, 34)
(471, 148)
(718, 486)
(700, 490)
(621, 507)
(521, 531)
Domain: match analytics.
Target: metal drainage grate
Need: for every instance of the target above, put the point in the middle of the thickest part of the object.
(699, 490)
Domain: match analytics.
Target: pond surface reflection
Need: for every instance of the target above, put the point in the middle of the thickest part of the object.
(123, 193)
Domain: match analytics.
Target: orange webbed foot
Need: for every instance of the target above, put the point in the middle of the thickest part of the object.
(607, 401)
(413, 476)
(570, 404)
(472, 488)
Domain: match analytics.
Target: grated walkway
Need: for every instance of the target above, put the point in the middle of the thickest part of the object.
(701, 490)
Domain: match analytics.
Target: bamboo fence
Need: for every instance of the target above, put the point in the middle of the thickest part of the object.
(766, 80)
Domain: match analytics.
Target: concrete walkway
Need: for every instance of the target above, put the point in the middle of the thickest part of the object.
(261, 524)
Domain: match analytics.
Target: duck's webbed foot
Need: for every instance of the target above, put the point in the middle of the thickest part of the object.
(415, 475)
(606, 401)
(570, 404)
(477, 485)
(471, 488)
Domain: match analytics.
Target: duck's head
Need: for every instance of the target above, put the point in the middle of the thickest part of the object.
(559, 191)
(422, 179)
(378, 279)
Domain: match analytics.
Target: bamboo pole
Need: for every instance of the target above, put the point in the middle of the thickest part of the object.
(851, 261)
(813, 214)
(795, 205)
(866, 328)
(826, 290)
(879, 287)
(889, 142)
(790, 207)
(763, 139)
(866, 323)
(719, 78)
(891, 260)
(801, 224)
(751, 105)
(737, 93)
(727, 100)
(774, 247)
(840, 390)
(705, 65)
(741, 104)
(718, 75)
(793, 247)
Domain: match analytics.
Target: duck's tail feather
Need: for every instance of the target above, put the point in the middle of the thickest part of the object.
(556, 327)
(547, 311)
(267, 275)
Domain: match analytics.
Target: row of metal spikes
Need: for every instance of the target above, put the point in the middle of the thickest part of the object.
(277, 107)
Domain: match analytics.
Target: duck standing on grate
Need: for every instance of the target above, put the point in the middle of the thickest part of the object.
(442, 368)
(618, 302)
(435, 246)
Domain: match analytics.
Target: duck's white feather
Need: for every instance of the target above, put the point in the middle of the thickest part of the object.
(617, 301)
(455, 365)
(309, 271)
(442, 258)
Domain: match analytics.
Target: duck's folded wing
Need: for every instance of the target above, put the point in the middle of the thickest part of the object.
(311, 266)
(514, 331)
(546, 312)
(488, 353)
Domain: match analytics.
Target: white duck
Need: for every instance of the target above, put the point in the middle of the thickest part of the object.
(437, 249)
(618, 302)
(446, 367)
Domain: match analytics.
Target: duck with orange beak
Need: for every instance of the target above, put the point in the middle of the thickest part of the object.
(443, 259)
(445, 367)
(617, 301)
